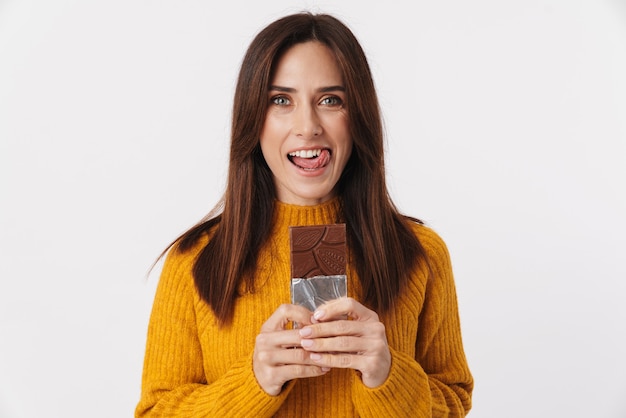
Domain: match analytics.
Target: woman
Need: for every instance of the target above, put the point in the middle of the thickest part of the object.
(306, 148)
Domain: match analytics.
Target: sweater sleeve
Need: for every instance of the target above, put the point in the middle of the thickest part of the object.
(173, 382)
(437, 381)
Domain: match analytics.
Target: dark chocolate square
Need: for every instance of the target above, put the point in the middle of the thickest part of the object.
(318, 250)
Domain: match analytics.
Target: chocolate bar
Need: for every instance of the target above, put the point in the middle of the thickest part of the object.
(318, 250)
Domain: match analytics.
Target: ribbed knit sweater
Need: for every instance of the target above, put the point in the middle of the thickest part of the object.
(194, 368)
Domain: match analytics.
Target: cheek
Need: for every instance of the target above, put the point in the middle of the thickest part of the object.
(271, 133)
(270, 155)
(266, 139)
(348, 146)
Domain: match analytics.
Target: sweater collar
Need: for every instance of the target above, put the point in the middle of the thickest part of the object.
(286, 214)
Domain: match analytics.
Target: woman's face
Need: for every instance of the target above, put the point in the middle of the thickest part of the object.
(305, 138)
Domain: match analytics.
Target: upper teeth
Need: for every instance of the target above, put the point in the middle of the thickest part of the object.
(311, 153)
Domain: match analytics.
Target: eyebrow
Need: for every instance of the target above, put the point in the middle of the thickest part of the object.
(320, 90)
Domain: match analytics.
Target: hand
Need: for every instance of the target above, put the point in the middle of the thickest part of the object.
(359, 343)
(278, 357)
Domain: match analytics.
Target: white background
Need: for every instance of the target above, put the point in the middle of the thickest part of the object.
(506, 125)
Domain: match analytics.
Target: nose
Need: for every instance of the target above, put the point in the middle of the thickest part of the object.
(306, 122)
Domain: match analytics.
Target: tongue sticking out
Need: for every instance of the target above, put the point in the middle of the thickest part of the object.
(312, 163)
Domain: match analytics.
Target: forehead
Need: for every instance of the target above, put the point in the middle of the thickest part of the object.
(311, 62)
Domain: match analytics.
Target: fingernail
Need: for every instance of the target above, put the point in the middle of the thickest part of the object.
(305, 332)
(325, 369)
(315, 356)
(306, 343)
(318, 315)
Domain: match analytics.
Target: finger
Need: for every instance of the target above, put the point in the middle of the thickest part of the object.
(335, 328)
(282, 357)
(337, 360)
(284, 314)
(345, 336)
(278, 339)
(374, 369)
(272, 379)
(342, 307)
(343, 344)
(299, 371)
(343, 327)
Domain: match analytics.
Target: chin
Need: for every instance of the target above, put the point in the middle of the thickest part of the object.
(310, 199)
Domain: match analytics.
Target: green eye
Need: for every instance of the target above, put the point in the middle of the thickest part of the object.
(332, 101)
(280, 100)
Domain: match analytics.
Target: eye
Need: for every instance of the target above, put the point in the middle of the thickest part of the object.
(332, 101)
(280, 101)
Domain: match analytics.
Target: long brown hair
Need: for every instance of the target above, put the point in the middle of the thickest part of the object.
(380, 240)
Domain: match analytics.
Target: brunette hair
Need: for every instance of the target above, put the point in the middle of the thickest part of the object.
(382, 245)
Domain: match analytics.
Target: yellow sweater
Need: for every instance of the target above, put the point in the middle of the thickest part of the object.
(192, 368)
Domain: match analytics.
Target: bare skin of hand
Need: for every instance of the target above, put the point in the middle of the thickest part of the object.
(278, 357)
(359, 343)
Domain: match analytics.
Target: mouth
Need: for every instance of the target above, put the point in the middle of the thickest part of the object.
(311, 159)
